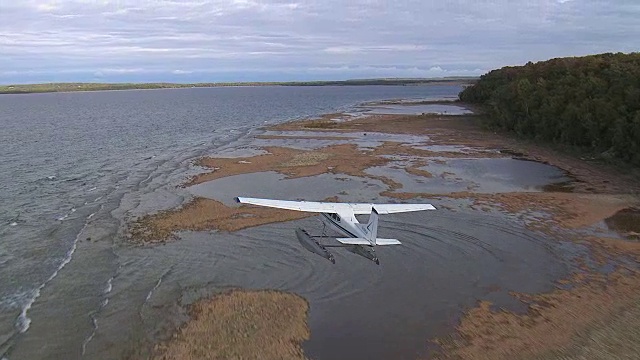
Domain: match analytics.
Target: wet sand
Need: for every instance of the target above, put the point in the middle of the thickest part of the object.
(568, 207)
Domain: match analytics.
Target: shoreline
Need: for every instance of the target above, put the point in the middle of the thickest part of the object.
(19, 89)
(592, 198)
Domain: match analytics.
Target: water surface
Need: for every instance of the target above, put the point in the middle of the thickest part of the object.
(76, 166)
(406, 109)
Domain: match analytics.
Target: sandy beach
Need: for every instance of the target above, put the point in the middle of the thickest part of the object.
(589, 311)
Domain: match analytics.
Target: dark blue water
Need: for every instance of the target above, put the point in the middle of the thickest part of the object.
(75, 166)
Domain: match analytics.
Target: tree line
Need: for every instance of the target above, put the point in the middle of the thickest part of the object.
(591, 102)
(59, 87)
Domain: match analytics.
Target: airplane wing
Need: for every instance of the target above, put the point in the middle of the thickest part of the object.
(398, 208)
(329, 207)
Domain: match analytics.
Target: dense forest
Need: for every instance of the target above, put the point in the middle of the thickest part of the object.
(591, 102)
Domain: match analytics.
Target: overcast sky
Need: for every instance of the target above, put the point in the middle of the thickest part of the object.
(264, 40)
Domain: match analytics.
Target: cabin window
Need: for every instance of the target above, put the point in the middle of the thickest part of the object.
(335, 217)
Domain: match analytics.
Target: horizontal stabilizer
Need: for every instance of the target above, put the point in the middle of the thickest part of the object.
(354, 241)
(387, 242)
(363, 241)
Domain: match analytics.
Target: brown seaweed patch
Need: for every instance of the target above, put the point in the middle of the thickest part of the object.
(568, 210)
(241, 325)
(307, 159)
(609, 247)
(340, 159)
(327, 121)
(390, 148)
(321, 124)
(553, 322)
(415, 169)
(205, 214)
(615, 338)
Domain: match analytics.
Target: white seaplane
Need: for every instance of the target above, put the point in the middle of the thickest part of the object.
(361, 238)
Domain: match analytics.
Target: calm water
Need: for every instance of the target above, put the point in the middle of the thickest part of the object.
(401, 109)
(76, 166)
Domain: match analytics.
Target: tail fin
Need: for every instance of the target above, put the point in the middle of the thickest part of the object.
(371, 229)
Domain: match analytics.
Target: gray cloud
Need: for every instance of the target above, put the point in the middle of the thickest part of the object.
(146, 40)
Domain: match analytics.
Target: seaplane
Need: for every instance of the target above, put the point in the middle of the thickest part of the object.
(360, 239)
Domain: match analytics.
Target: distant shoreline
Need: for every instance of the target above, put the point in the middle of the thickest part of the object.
(73, 87)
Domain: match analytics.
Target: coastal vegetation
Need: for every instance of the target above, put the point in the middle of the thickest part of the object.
(590, 102)
(242, 325)
(65, 87)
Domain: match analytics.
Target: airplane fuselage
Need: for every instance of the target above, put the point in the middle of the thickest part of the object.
(344, 223)
(359, 238)
(348, 225)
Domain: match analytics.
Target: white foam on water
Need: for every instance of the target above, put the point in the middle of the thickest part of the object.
(146, 179)
(14, 301)
(94, 320)
(152, 290)
(86, 341)
(109, 287)
(23, 321)
(157, 284)
(65, 216)
(92, 189)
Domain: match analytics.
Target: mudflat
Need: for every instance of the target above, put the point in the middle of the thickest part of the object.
(450, 160)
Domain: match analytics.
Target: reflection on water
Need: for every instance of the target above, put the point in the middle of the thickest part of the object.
(274, 185)
(492, 175)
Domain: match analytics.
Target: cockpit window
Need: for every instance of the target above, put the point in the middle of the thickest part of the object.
(335, 217)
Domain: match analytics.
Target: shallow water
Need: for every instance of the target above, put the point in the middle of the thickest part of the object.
(491, 175)
(406, 109)
(307, 140)
(82, 164)
(76, 166)
(362, 311)
(275, 185)
(358, 310)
